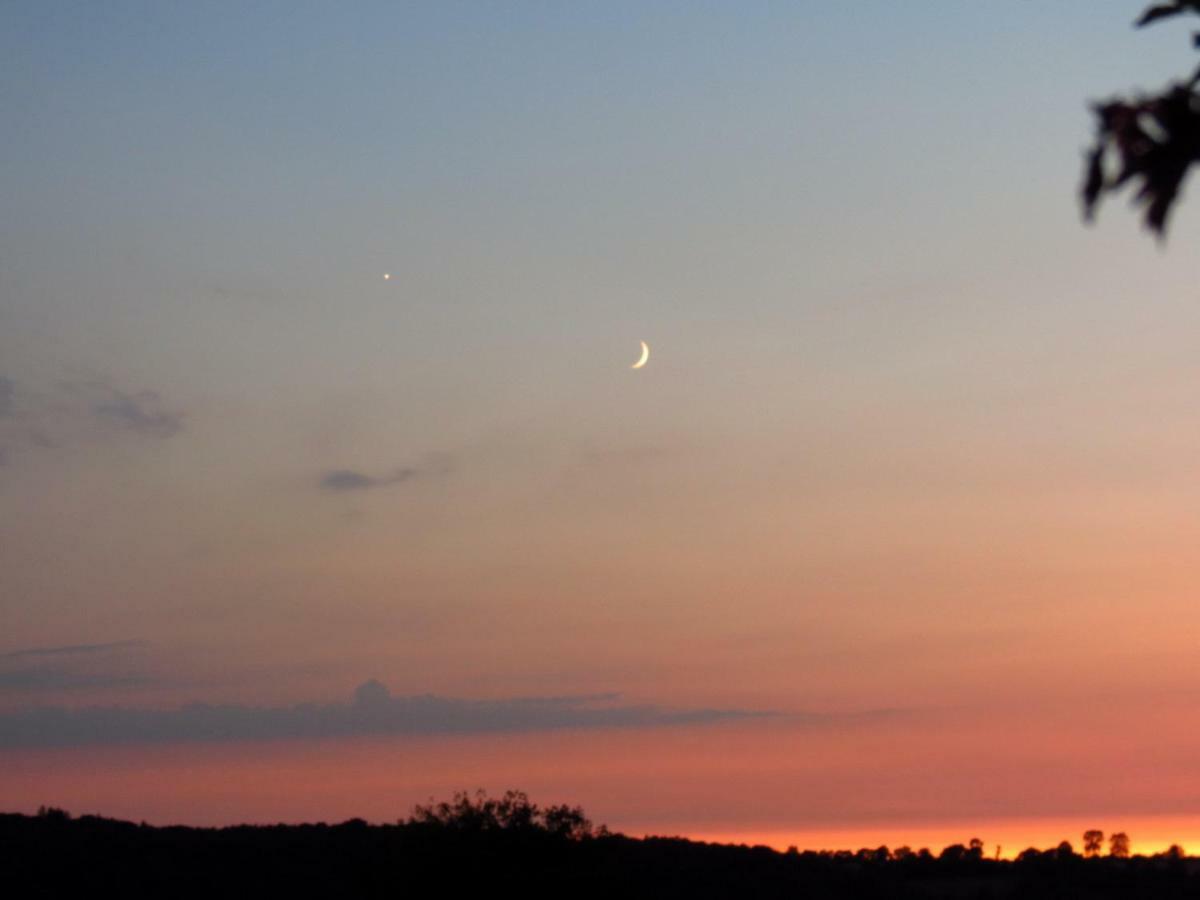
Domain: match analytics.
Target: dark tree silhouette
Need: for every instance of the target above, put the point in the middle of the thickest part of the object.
(1174, 852)
(953, 853)
(511, 813)
(476, 846)
(1150, 141)
(1118, 845)
(1093, 842)
(569, 822)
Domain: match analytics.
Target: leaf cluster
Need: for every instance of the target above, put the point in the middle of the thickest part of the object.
(1149, 142)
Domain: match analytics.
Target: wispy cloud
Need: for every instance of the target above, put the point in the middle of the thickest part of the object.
(51, 679)
(340, 480)
(76, 649)
(141, 412)
(372, 711)
(77, 412)
(74, 666)
(352, 480)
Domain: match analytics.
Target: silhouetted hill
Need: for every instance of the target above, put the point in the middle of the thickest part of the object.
(53, 855)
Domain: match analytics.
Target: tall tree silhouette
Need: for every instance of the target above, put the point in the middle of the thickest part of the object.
(1118, 845)
(1150, 141)
(1093, 842)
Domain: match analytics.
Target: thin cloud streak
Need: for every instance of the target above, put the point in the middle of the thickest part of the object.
(75, 666)
(76, 649)
(342, 480)
(141, 412)
(373, 711)
(351, 480)
(53, 679)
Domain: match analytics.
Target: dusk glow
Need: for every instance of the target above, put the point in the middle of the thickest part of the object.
(325, 487)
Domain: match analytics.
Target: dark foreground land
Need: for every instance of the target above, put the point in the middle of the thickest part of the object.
(57, 856)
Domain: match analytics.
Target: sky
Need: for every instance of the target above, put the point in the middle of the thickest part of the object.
(893, 538)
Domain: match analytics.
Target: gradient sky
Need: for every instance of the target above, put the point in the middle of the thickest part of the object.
(895, 534)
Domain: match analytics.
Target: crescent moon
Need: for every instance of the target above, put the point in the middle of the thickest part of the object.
(645, 356)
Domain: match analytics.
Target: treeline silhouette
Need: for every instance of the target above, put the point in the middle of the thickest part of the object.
(476, 845)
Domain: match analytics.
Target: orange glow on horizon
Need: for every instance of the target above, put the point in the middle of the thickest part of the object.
(1148, 835)
(712, 784)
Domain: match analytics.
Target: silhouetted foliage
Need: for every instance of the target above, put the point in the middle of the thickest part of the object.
(1118, 845)
(1150, 141)
(1174, 852)
(512, 813)
(474, 845)
(1165, 10)
(1093, 842)
(953, 853)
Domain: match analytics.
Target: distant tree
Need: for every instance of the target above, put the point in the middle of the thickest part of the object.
(1118, 845)
(569, 822)
(953, 853)
(1093, 842)
(902, 853)
(1174, 852)
(512, 813)
(865, 854)
(1064, 850)
(53, 814)
(1150, 141)
(975, 849)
